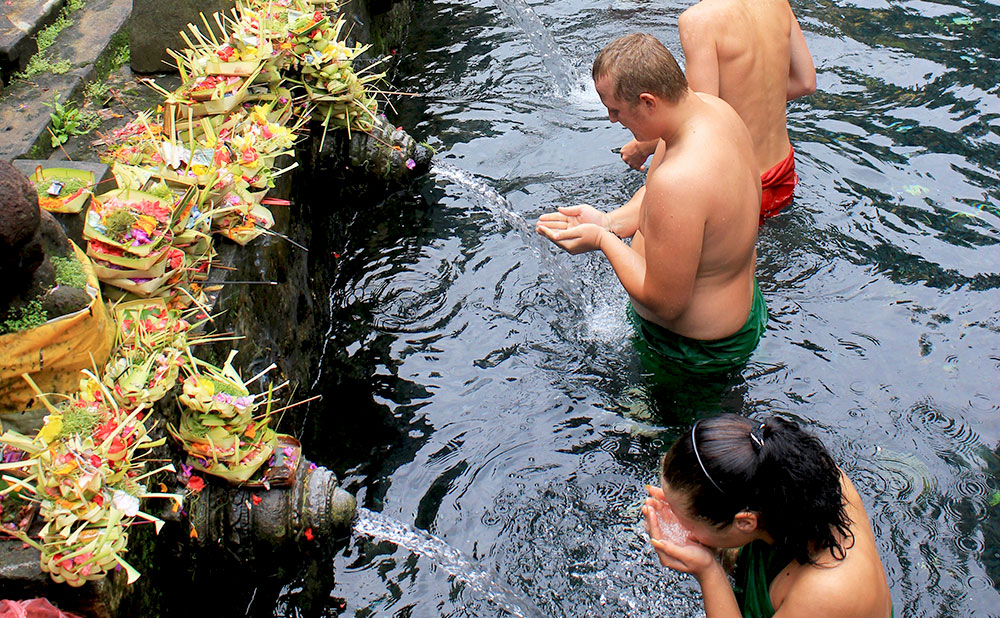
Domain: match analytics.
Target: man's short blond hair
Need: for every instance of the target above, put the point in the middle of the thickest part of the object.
(639, 63)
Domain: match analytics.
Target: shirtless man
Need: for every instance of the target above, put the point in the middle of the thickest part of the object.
(752, 54)
(690, 267)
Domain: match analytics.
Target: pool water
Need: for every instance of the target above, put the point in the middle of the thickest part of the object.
(483, 388)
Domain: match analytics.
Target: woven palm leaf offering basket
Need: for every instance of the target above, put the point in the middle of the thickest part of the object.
(86, 469)
(220, 427)
(128, 229)
(62, 189)
(149, 351)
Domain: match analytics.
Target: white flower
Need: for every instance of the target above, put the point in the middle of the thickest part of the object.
(126, 503)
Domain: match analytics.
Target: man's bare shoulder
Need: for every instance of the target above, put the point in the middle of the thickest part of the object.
(705, 16)
(679, 183)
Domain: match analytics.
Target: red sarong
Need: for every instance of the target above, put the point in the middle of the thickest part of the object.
(777, 186)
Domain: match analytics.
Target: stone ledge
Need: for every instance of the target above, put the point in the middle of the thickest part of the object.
(23, 118)
(20, 21)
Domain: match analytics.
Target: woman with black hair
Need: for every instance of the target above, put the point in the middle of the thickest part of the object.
(772, 490)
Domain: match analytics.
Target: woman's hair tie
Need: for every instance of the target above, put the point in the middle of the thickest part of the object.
(757, 436)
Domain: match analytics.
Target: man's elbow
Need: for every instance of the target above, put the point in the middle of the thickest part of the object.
(801, 88)
(665, 308)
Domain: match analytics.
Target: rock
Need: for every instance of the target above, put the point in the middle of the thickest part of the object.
(63, 300)
(53, 236)
(21, 250)
(42, 280)
(18, 209)
(156, 25)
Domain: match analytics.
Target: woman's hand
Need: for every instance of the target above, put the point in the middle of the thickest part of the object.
(685, 554)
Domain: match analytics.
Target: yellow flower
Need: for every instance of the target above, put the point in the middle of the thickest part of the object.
(53, 425)
(258, 115)
(146, 223)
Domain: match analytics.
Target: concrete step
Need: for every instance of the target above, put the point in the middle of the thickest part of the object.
(23, 117)
(20, 21)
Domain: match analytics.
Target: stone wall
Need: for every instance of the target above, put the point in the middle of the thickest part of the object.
(156, 25)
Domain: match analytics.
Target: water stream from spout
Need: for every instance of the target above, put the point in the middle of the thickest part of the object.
(553, 59)
(485, 195)
(454, 562)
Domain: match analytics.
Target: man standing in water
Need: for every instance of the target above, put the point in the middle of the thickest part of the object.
(752, 54)
(690, 268)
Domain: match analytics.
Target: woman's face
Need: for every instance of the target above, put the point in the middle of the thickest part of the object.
(706, 533)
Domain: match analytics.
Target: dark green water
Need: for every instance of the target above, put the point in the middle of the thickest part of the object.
(489, 391)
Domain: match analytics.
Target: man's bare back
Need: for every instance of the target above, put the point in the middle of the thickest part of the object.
(683, 185)
(751, 54)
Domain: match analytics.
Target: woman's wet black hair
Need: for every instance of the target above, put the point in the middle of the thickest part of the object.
(728, 464)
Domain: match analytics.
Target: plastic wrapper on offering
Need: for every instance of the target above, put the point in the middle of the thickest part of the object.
(55, 352)
(62, 189)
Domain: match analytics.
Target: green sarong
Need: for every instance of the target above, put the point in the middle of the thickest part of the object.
(704, 357)
(756, 567)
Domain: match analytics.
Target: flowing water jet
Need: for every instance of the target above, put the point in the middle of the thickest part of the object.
(455, 563)
(568, 282)
(552, 56)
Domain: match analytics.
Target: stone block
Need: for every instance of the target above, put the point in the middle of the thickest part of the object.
(20, 20)
(156, 25)
(23, 118)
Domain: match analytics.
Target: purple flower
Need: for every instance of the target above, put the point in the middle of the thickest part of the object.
(186, 470)
(410, 164)
(243, 402)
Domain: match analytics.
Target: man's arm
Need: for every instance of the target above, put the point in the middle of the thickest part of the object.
(801, 71)
(663, 279)
(635, 153)
(701, 61)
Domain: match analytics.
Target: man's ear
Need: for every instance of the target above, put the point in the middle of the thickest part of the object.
(647, 99)
(746, 522)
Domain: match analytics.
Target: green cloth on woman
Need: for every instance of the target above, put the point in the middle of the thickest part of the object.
(756, 567)
(704, 357)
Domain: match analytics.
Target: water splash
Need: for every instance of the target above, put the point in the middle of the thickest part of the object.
(567, 77)
(565, 278)
(454, 562)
